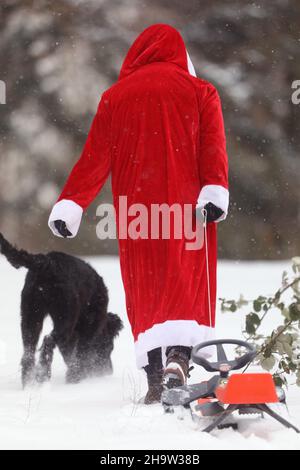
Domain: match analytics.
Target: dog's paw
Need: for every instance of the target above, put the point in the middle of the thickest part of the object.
(42, 374)
(28, 378)
(74, 376)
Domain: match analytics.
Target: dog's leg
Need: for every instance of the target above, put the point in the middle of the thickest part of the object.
(90, 328)
(85, 357)
(66, 339)
(91, 325)
(98, 355)
(82, 359)
(68, 351)
(105, 344)
(31, 327)
(107, 367)
(43, 370)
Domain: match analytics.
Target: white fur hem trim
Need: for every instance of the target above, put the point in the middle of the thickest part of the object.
(68, 211)
(171, 333)
(216, 194)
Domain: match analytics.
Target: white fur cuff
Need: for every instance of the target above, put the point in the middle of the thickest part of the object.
(216, 194)
(68, 211)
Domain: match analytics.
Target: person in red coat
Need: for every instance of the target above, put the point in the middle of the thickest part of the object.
(159, 132)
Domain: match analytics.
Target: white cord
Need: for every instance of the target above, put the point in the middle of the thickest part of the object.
(204, 213)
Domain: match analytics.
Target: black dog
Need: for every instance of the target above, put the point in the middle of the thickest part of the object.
(75, 297)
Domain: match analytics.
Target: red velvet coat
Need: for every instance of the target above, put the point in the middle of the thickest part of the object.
(159, 132)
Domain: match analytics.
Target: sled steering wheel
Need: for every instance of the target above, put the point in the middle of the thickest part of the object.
(223, 365)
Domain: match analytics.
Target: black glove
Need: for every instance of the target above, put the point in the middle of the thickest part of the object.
(61, 227)
(212, 212)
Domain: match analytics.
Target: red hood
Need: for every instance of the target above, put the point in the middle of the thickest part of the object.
(158, 43)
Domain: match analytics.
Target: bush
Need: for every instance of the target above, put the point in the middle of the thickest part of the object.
(278, 352)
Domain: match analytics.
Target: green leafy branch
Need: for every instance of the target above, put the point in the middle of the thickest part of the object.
(280, 351)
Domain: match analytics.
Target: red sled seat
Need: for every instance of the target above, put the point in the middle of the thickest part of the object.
(247, 389)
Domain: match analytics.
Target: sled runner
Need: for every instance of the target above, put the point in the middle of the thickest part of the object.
(219, 397)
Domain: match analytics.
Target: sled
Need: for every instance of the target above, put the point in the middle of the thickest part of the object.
(223, 394)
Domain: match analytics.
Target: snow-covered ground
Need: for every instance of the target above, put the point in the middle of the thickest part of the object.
(102, 413)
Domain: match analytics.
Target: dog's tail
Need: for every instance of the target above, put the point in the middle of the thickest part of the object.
(114, 324)
(18, 258)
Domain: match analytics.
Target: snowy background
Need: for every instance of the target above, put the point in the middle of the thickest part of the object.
(102, 413)
(58, 57)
